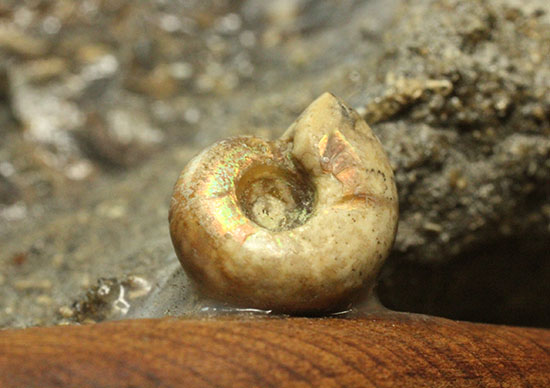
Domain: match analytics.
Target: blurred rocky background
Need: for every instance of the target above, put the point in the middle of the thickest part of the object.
(102, 102)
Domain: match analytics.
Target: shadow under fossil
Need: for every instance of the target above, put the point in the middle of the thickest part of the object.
(502, 282)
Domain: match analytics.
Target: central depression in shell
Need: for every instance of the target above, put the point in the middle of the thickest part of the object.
(275, 198)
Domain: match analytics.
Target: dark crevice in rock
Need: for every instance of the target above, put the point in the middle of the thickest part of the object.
(503, 282)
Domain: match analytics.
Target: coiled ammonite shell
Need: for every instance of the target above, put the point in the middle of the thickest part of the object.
(301, 224)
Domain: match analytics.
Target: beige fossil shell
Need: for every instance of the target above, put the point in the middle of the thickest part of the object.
(301, 224)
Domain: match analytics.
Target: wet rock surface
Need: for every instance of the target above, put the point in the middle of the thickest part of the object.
(103, 102)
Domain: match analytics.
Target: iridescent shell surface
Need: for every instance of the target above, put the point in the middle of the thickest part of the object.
(298, 225)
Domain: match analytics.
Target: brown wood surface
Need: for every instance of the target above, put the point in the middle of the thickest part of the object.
(384, 350)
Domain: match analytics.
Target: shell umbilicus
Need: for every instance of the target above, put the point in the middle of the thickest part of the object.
(300, 224)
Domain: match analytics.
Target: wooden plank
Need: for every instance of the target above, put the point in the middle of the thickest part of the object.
(383, 350)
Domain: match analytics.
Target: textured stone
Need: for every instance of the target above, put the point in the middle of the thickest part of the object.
(456, 91)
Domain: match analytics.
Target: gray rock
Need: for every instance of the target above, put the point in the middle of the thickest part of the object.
(456, 91)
